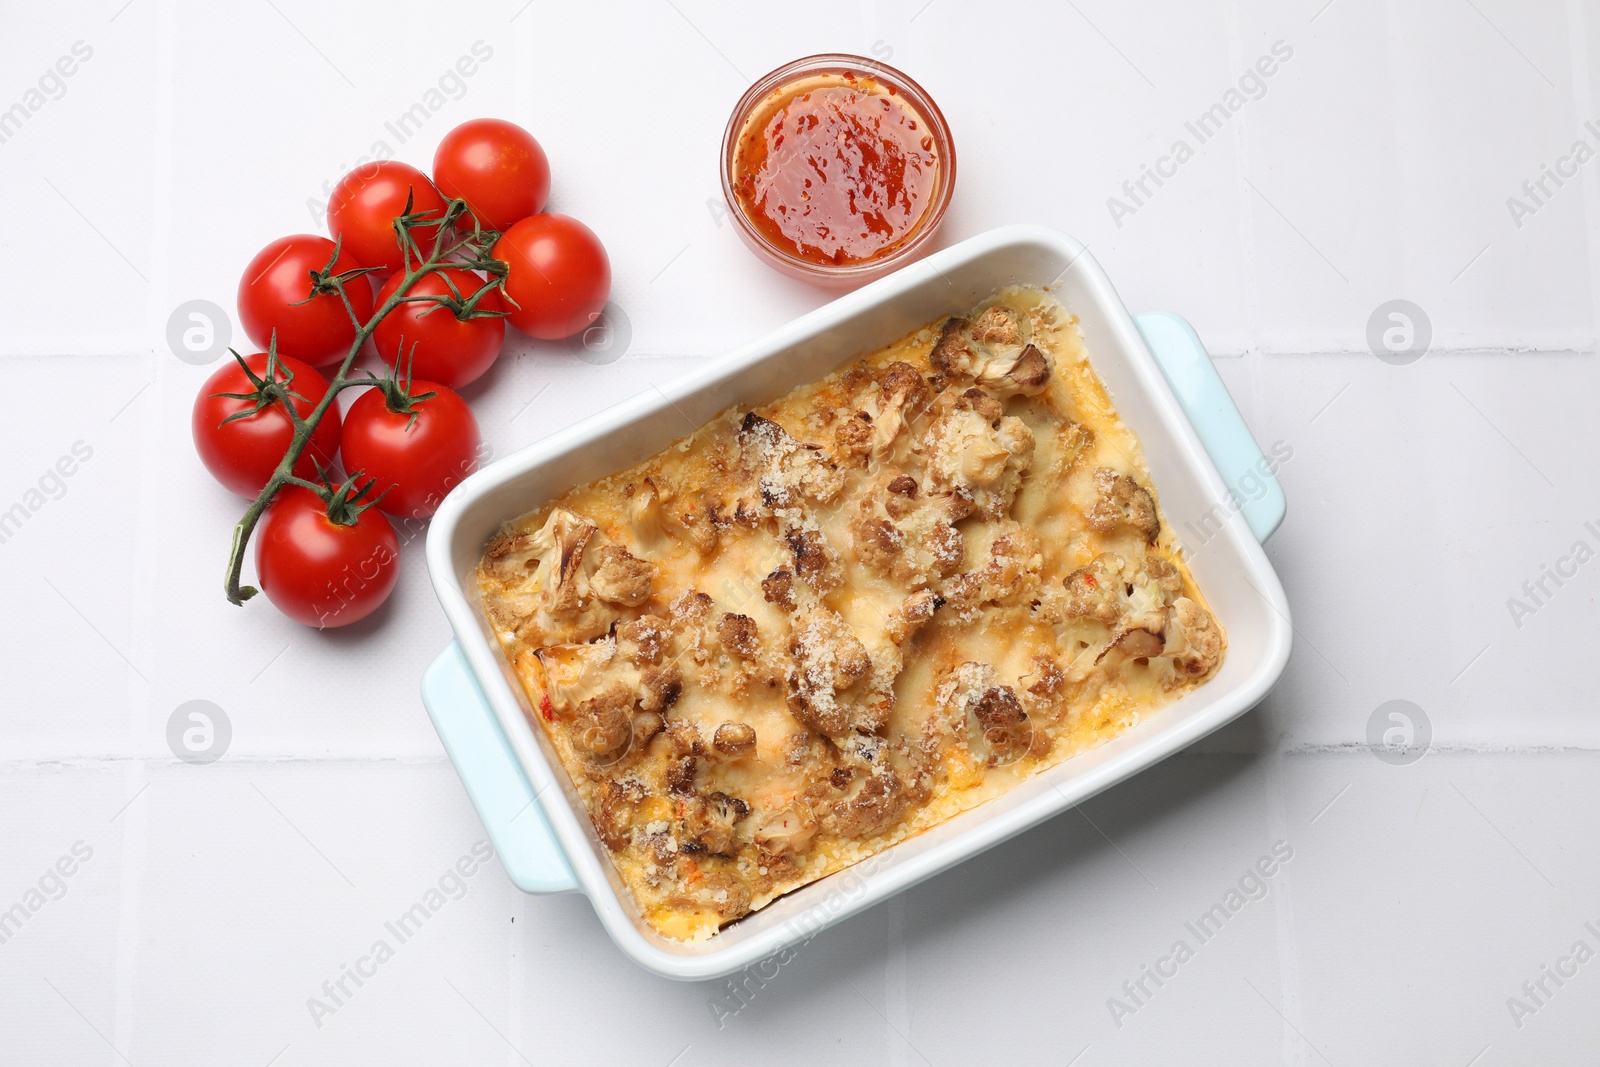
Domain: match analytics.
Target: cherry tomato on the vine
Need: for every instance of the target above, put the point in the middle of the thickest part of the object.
(321, 572)
(497, 168)
(558, 275)
(278, 294)
(413, 458)
(242, 453)
(429, 340)
(365, 203)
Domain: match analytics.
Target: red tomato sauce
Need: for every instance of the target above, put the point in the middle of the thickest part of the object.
(836, 170)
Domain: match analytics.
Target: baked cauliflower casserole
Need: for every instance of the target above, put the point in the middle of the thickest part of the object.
(818, 627)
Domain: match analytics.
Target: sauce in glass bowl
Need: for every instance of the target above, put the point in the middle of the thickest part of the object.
(837, 168)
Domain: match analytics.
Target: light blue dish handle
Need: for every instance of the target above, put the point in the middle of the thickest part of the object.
(500, 792)
(1216, 420)
(488, 768)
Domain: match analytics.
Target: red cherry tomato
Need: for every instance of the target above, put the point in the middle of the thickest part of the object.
(320, 572)
(243, 453)
(413, 465)
(273, 298)
(439, 346)
(497, 168)
(558, 275)
(364, 205)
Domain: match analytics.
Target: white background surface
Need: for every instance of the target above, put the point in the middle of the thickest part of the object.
(1377, 165)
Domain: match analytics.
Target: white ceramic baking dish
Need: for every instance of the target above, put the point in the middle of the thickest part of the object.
(1214, 485)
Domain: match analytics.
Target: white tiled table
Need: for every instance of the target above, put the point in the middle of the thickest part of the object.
(1376, 164)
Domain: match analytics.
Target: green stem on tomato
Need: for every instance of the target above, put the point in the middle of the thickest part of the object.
(475, 248)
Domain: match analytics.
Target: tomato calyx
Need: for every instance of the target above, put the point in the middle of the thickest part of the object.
(329, 280)
(397, 394)
(266, 389)
(473, 249)
(344, 502)
(464, 308)
(407, 221)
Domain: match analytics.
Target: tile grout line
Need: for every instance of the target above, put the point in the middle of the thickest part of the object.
(897, 1001)
(1288, 946)
(1400, 167)
(518, 960)
(1582, 102)
(145, 430)
(1239, 135)
(1255, 379)
(130, 882)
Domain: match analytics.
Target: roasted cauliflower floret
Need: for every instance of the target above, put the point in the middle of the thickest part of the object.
(1141, 640)
(902, 393)
(952, 352)
(1010, 576)
(1167, 579)
(828, 651)
(986, 406)
(699, 528)
(912, 614)
(896, 536)
(984, 714)
(814, 559)
(879, 803)
(1120, 501)
(1004, 724)
(852, 439)
(560, 544)
(1184, 634)
(691, 606)
(828, 659)
(786, 471)
(708, 823)
(606, 707)
(1096, 591)
(994, 351)
(566, 675)
(1193, 641)
(902, 496)
(977, 459)
(785, 830)
(660, 686)
(510, 558)
(1025, 375)
(646, 516)
(997, 325)
(615, 812)
(735, 739)
(603, 723)
(564, 578)
(643, 639)
(738, 635)
(621, 577)
(881, 547)
(778, 588)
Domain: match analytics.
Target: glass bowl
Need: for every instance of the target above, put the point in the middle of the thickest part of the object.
(761, 103)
